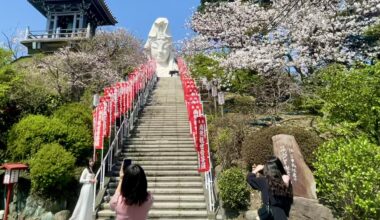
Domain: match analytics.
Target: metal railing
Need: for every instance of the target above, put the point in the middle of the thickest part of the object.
(59, 33)
(208, 176)
(120, 133)
(209, 182)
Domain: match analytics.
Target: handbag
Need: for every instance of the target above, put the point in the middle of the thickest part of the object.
(265, 212)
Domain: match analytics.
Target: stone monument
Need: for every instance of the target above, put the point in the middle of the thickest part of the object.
(159, 47)
(286, 148)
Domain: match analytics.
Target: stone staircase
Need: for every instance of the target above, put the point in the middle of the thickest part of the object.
(162, 145)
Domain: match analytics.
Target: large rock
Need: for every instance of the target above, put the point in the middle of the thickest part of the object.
(308, 209)
(250, 215)
(62, 215)
(286, 148)
(47, 216)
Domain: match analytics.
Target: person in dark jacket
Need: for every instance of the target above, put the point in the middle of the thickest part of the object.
(275, 187)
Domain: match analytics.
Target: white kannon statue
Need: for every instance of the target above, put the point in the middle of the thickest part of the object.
(159, 47)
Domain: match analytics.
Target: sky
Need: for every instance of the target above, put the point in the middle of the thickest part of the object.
(137, 16)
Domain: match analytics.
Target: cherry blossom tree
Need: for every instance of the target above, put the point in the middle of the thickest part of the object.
(122, 49)
(294, 35)
(93, 64)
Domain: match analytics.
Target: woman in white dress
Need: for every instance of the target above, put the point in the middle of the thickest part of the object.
(83, 209)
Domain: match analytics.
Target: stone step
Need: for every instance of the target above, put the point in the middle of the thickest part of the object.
(166, 140)
(158, 146)
(165, 167)
(167, 178)
(160, 184)
(175, 105)
(166, 172)
(147, 126)
(182, 198)
(177, 214)
(180, 132)
(155, 139)
(159, 163)
(163, 121)
(166, 191)
(167, 128)
(174, 114)
(174, 111)
(163, 158)
(159, 214)
(164, 124)
(188, 218)
(170, 135)
(164, 115)
(158, 142)
(153, 154)
(162, 134)
(170, 205)
(158, 149)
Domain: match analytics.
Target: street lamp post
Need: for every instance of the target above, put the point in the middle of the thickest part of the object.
(214, 93)
(221, 101)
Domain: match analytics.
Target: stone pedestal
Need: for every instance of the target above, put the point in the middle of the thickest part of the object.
(286, 148)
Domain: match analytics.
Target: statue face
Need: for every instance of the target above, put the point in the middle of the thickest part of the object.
(161, 50)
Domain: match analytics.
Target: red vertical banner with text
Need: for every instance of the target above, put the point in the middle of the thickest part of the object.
(202, 144)
(98, 126)
(195, 110)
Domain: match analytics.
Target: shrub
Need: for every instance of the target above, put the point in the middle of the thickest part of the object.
(233, 189)
(258, 146)
(348, 177)
(240, 104)
(78, 119)
(226, 137)
(27, 136)
(51, 168)
(79, 142)
(75, 114)
(226, 152)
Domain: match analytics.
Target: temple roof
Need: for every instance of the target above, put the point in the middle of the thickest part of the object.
(99, 7)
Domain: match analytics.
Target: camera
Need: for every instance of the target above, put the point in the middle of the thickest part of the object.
(126, 163)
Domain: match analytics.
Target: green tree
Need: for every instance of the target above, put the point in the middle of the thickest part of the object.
(243, 81)
(51, 169)
(9, 112)
(5, 57)
(204, 66)
(348, 177)
(351, 101)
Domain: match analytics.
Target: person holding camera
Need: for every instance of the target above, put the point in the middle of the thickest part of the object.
(276, 189)
(131, 200)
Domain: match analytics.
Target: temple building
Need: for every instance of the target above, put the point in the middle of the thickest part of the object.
(68, 21)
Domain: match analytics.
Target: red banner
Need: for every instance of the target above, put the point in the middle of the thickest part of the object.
(117, 100)
(194, 110)
(98, 126)
(202, 144)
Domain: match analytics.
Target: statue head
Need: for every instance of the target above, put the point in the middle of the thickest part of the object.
(159, 43)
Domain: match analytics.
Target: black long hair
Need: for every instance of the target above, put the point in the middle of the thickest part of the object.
(273, 171)
(90, 168)
(134, 186)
